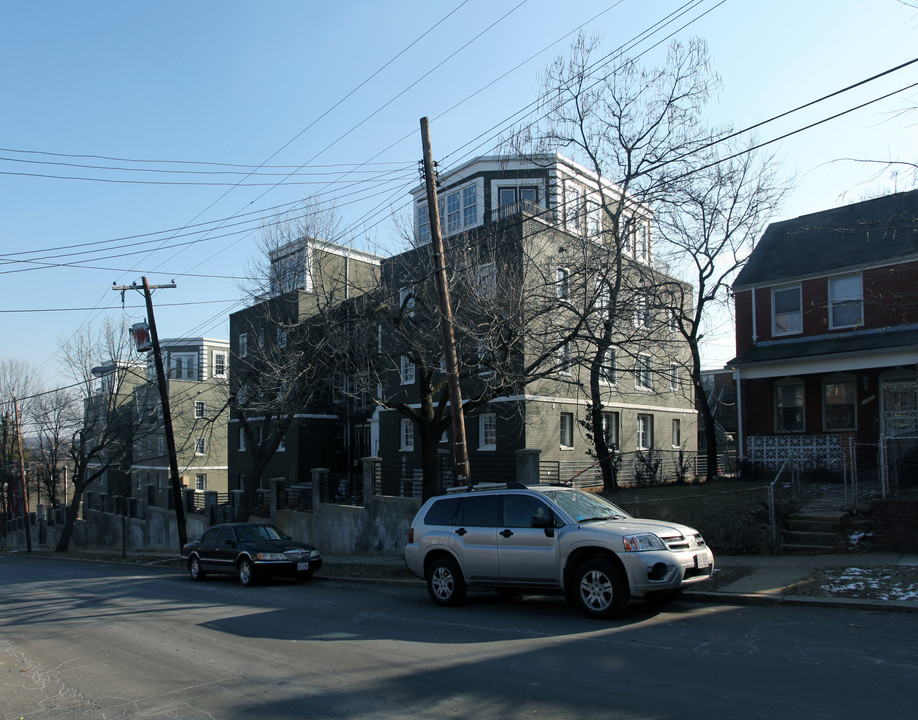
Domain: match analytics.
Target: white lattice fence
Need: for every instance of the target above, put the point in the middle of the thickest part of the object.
(807, 452)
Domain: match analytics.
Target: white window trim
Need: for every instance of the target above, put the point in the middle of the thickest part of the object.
(675, 382)
(640, 369)
(213, 360)
(647, 443)
(774, 325)
(203, 406)
(786, 382)
(832, 301)
(676, 430)
(483, 420)
(243, 345)
(243, 441)
(200, 446)
(406, 435)
(407, 371)
(570, 431)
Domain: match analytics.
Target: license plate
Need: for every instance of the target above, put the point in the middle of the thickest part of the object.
(701, 561)
(302, 566)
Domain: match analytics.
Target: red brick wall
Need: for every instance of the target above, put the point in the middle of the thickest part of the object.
(890, 298)
(895, 524)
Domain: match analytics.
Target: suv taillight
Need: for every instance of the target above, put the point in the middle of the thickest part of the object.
(411, 535)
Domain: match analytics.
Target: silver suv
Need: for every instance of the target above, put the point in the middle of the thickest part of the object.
(514, 537)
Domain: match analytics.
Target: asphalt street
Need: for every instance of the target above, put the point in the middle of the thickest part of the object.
(94, 640)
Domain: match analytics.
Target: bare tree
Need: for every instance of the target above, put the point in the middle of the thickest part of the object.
(56, 419)
(709, 225)
(99, 363)
(293, 331)
(635, 130)
(17, 380)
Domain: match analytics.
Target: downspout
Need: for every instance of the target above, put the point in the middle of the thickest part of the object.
(755, 331)
(741, 452)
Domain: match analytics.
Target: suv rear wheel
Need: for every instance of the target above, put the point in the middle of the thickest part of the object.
(600, 589)
(445, 582)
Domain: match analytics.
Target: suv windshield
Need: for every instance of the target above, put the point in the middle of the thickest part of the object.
(584, 506)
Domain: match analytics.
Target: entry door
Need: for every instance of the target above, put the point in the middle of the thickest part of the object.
(900, 406)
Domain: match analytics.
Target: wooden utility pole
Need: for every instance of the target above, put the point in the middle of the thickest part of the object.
(460, 447)
(177, 499)
(22, 477)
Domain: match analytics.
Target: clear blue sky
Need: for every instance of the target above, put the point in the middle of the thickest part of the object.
(326, 87)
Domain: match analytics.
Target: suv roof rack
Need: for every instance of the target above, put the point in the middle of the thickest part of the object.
(487, 486)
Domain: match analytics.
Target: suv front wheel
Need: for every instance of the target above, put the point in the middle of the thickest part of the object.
(600, 589)
(445, 582)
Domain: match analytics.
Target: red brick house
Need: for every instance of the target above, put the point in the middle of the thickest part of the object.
(827, 338)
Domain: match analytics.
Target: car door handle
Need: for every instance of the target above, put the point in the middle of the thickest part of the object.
(461, 531)
(506, 533)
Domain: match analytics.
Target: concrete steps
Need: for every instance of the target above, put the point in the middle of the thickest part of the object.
(813, 532)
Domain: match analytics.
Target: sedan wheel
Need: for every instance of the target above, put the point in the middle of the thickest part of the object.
(445, 582)
(194, 568)
(246, 572)
(601, 590)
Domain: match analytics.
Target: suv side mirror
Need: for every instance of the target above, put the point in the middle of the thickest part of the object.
(544, 521)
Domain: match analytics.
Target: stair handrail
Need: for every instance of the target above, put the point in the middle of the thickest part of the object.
(772, 513)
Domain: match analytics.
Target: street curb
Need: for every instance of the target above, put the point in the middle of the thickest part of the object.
(763, 599)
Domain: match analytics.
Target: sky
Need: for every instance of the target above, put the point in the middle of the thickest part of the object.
(154, 139)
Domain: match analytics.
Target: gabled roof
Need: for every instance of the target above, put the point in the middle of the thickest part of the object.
(858, 235)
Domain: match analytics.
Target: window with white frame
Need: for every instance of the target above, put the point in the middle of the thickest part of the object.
(674, 377)
(610, 429)
(564, 357)
(200, 409)
(183, 366)
(846, 301)
(789, 406)
(423, 223)
(594, 219)
(786, 310)
(407, 370)
(242, 440)
(406, 433)
(487, 431)
(219, 362)
(608, 373)
(603, 295)
(406, 300)
(200, 446)
(243, 344)
(159, 446)
(673, 324)
(511, 199)
(839, 403)
(644, 432)
(200, 482)
(573, 207)
(487, 279)
(567, 430)
(642, 241)
(458, 211)
(641, 311)
(563, 283)
(643, 372)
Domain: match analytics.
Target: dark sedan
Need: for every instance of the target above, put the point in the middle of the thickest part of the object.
(250, 551)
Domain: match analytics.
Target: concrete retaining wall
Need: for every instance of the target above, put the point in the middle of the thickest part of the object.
(381, 527)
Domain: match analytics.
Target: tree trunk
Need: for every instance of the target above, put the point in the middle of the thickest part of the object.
(73, 508)
(430, 465)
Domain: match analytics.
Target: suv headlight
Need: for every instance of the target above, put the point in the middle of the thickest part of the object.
(271, 556)
(636, 543)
